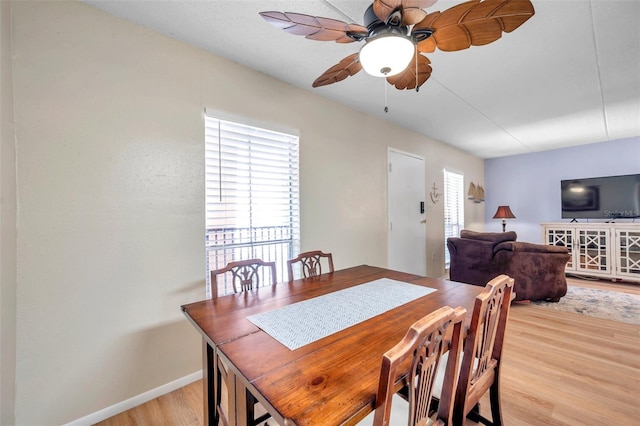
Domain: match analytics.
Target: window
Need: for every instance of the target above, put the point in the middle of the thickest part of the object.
(453, 208)
(252, 202)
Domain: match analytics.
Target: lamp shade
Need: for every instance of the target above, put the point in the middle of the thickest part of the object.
(386, 55)
(504, 212)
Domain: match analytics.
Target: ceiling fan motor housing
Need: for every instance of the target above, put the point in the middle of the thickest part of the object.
(391, 26)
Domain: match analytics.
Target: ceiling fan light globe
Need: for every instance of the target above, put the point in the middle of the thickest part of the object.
(386, 55)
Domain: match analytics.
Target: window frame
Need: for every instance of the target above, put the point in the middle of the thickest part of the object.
(453, 208)
(252, 197)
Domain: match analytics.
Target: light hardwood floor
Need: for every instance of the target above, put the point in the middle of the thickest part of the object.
(558, 369)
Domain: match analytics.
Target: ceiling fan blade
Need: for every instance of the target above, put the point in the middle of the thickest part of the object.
(474, 23)
(428, 45)
(512, 14)
(347, 67)
(384, 8)
(315, 27)
(412, 10)
(406, 80)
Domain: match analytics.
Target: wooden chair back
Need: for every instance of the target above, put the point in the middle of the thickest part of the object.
(414, 361)
(480, 367)
(245, 275)
(310, 263)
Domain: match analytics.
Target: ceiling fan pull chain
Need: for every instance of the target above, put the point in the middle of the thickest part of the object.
(384, 81)
(417, 87)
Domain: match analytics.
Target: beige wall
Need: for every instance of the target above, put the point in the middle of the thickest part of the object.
(7, 225)
(109, 128)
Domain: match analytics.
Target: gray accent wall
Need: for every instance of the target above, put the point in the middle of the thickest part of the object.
(530, 183)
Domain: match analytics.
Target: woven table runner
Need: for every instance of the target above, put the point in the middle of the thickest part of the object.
(305, 322)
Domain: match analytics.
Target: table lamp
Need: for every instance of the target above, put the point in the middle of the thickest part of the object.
(504, 212)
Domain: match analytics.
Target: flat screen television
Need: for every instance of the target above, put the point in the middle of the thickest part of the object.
(608, 197)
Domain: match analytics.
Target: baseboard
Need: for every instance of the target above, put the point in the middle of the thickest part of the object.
(128, 404)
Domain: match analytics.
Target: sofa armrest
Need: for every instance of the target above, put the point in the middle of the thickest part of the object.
(538, 269)
(521, 246)
(471, 260)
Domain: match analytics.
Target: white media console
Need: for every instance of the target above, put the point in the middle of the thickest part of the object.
(605, 250)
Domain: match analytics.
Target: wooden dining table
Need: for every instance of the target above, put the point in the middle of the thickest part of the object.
(329, 381)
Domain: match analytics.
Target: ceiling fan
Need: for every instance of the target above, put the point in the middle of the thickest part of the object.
(397, 33)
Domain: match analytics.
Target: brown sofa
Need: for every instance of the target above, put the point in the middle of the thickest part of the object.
(538, 270)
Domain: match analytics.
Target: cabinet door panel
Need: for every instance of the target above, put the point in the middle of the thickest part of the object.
(628, 252)
(593, 251)
(562, 237)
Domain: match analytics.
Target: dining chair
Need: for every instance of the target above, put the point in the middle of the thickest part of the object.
(481, 354)
(245, 275)
(310, 263)
(421, 348)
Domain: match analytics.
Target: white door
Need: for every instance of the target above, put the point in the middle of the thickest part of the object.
(407, 229)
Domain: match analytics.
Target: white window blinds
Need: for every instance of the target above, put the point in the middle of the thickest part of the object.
(453, 208)
(252, 200)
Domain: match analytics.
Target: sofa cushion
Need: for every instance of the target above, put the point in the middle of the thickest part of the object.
(494, 237)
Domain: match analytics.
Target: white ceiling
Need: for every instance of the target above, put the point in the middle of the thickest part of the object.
(568, 76)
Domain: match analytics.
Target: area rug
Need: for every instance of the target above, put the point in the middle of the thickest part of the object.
(593, 302)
